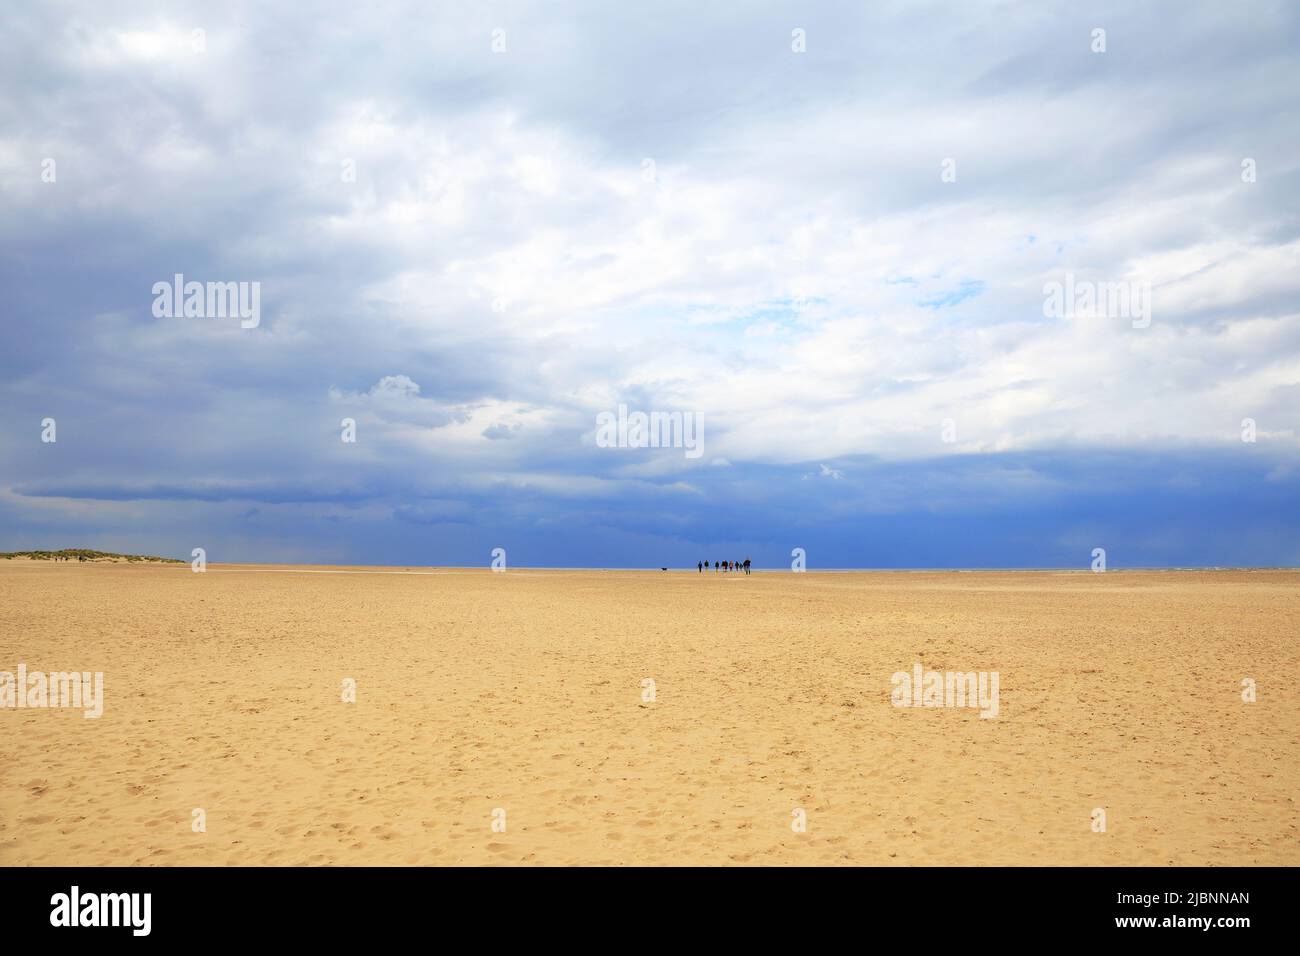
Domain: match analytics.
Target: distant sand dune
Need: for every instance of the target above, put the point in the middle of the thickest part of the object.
(523, 691)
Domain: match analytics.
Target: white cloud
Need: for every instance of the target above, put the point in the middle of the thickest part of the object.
(783, 276)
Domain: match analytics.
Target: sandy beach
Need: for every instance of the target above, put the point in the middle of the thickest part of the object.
(527, 692)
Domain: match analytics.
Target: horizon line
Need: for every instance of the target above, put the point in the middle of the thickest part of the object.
(773, 570)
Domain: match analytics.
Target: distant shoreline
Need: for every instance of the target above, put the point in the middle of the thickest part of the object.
(449, 568)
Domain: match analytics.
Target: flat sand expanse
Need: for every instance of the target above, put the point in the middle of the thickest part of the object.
(523, 692)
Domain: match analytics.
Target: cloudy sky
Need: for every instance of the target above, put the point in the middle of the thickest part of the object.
(477, 226)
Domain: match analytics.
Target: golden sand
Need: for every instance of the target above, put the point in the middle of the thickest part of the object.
(523, 692)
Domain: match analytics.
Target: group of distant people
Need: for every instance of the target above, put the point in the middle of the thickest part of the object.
(702, 566)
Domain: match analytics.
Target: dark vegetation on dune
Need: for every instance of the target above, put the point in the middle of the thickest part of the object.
(87, 554)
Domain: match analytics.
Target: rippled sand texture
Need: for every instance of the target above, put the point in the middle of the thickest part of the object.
(523, 691)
